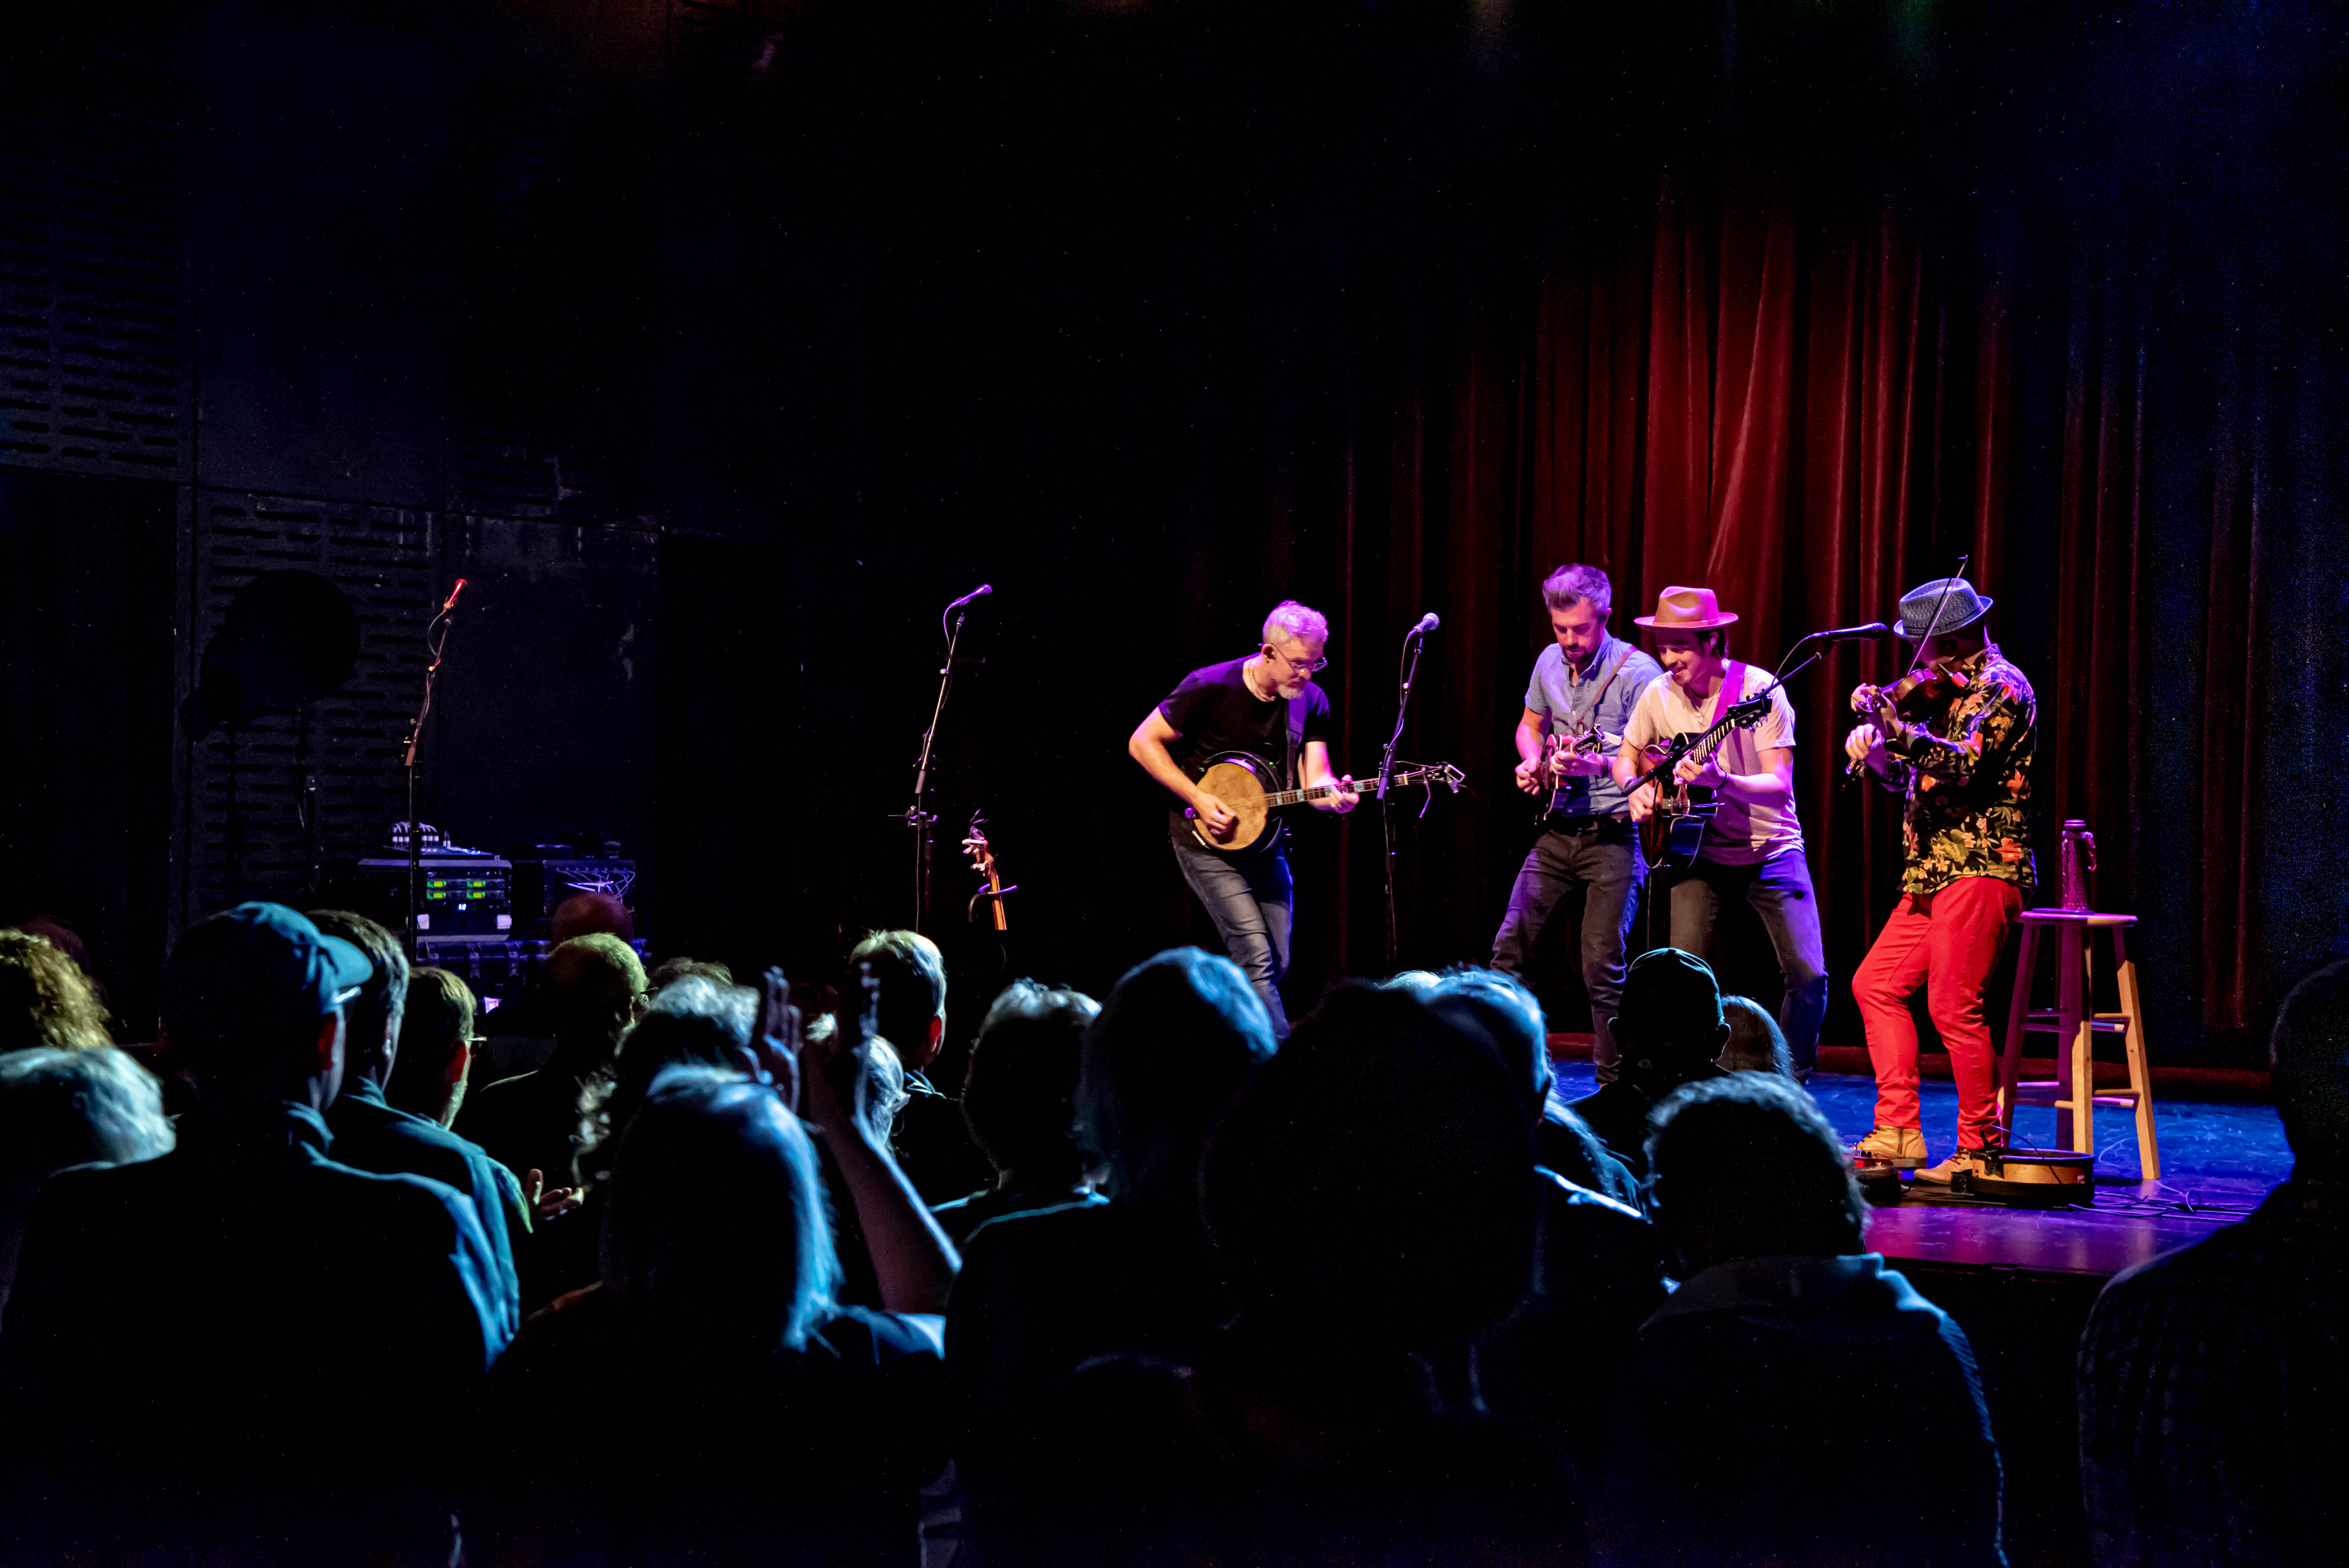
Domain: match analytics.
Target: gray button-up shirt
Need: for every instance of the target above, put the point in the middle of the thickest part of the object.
(1565, 697)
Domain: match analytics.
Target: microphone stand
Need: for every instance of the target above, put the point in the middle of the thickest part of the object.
(917, 817)
(1413, 641)
(436, 637)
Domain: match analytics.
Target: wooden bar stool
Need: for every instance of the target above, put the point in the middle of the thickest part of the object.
(2074, 1023)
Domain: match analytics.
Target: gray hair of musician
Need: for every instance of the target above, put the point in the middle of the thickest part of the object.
(1291, 622)
(1573, 582)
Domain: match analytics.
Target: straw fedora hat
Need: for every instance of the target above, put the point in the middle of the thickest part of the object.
(1686, 610)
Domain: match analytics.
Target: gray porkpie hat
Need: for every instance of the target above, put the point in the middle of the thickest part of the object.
(1957, 605)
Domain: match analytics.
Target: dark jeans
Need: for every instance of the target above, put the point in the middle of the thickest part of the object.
(1602, 857)
(1779, 888)
(1250, 898)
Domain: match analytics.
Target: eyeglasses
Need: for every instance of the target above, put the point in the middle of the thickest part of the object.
(1302, 667)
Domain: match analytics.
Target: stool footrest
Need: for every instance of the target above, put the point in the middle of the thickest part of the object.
(2048, 1023)
(2060, 1095)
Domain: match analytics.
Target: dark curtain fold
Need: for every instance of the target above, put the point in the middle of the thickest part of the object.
(1811, 404)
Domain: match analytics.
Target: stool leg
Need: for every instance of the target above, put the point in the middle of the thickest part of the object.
(2148, 1151)
(2078, 1034)
(2018, 1014)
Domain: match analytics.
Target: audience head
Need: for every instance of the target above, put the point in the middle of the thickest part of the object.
(693, 1023)
(910, 975)
(1745, 1166)
(61, 1108)
(253, 1005)
(672, 970)
(46, 1000)
(1670, 1025)
(590, 985)
(1500, 1004)
(61, 935)
(1180, 1035)
(371, 1031)
(436, 1047)
(2308, 1050)
(716, 1231)
(591, 914)
(1020, 1093)
(1373, 1180)
(1756, 1045)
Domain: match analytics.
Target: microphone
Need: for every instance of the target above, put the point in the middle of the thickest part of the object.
(1853, 634)
(451, 603)
(1427, 623)
(981, 592)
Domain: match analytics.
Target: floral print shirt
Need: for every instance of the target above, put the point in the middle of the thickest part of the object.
(1966, 780)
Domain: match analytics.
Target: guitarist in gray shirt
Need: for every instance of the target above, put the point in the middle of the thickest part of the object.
(1268, 706)
(1584, 687)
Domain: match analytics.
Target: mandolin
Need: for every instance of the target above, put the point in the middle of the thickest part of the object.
(1246, 783)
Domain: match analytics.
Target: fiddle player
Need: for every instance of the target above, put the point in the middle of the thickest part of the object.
(1753, 848)
(1961, 761)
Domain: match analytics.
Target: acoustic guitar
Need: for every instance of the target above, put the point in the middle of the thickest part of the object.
(1686, 812)
(1247, 785)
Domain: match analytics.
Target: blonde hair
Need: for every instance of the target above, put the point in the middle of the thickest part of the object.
(44, 998)
(1291, 622)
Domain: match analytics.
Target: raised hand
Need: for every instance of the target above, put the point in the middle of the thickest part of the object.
(775, 1044)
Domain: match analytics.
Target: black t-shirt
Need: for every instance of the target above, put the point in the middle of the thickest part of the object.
(1214, 710)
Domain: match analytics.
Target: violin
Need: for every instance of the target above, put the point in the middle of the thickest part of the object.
(1926, 692)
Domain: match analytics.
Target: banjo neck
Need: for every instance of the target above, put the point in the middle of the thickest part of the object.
(1401, 775)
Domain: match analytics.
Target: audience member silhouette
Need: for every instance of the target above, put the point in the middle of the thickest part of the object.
(371, 1135)
(60, 1109)
(1601, 1269)
(591, 914)
(46, 999)
(1512, 1016)
(1371, 1202)
(242, 1348)
(1756, 1044)
(2212, 1379)
(672, 970)
(435, 1059)
(1020, 1098)
(724, 1408)
(1040, 1294)
(931, 1140)
(1670, 1030)
(588, 994)
(1784, 1345)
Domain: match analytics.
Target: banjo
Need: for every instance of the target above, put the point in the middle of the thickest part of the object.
(1246, 784)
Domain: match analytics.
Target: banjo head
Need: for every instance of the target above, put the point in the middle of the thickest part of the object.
(1237, 780)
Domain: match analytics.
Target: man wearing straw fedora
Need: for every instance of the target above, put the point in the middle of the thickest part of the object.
(1962, 766)
(1753, 847)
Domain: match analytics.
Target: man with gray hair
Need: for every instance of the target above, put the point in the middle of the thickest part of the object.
(1267, 707)
(1584, 686)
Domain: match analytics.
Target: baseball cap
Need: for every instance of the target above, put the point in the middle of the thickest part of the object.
(1669, 994)
(257, 967)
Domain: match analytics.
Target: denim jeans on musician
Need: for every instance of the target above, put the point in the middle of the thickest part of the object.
(1780, 891)
(1250, 899)
(1602, 857)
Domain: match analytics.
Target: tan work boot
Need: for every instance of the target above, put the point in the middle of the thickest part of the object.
(1901, 1147)
(1967, 1162)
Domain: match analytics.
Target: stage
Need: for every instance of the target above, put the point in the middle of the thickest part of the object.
(2022, 1281)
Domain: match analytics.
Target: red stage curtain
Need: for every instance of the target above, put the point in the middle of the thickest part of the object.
(1802, 403)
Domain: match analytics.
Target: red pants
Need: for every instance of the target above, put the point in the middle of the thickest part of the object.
(1948, 942)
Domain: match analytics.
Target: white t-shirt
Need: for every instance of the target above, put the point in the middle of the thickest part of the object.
(1741, 833)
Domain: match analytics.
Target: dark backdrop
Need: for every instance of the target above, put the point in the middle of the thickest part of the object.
(734, 340)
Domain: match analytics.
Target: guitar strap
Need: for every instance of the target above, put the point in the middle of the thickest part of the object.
(1297, 738)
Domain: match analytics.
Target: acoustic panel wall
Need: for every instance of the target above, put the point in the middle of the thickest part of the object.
(94, 332)
(250, 791)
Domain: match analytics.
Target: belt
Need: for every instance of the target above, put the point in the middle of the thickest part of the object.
(1560, 822)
